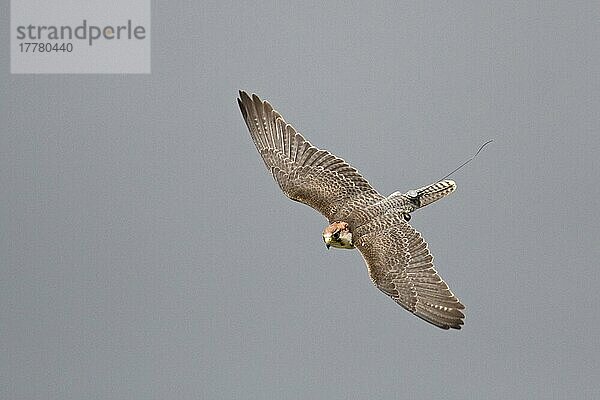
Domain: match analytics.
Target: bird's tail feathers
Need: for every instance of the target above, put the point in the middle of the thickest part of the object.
(430, 193)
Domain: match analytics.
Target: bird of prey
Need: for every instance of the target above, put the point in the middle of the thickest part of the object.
(398, 259)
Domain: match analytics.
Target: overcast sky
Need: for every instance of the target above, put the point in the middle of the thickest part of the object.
(145, 252)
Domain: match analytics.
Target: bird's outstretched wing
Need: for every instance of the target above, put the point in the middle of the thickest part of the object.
(401, 266)
(304, 173)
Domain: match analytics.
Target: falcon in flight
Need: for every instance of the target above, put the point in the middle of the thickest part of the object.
(397, 257)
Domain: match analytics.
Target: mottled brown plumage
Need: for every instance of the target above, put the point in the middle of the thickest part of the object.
(397, 257)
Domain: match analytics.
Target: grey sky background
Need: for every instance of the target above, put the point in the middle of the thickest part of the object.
(145, 252)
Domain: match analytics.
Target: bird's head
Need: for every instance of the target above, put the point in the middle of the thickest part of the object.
(338, 235)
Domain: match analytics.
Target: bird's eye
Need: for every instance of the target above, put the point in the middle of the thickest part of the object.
(336, 235)
(406, 217)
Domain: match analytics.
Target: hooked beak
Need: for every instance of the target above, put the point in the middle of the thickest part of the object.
(327, 240)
